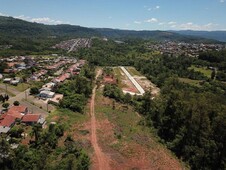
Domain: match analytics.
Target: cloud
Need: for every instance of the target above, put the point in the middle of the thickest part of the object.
(161, 23)
(5, 15)
(22, 17)
(155, 8)
(46, 20)
(43, 20)
(152, 20)
(137, 22)
(171, 23)
(110, 17)
(192, 26)
(222, 1)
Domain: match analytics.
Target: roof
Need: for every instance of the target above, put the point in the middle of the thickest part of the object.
(15, 114)
(31, 118)
(4, 129)
(19, 109)
(47, 92)
(7, 121)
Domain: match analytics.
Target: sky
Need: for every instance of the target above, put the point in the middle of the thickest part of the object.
(122, 14)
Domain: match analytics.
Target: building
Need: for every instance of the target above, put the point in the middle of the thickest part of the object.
(32, 119)
(46, 94)
(6, 123)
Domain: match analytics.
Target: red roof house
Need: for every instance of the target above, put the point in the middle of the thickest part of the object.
(31, 118)
(7, 120)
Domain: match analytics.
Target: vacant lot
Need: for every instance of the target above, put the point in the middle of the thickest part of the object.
(128, 143)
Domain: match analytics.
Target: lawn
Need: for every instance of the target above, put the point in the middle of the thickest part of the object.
(21, 87)
(207, 72)
(191, 82)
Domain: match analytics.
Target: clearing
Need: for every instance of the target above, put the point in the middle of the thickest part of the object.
(191, 82)
(207, 72)
(125, 142)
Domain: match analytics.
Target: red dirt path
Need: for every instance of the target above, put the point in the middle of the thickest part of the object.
(102, 160)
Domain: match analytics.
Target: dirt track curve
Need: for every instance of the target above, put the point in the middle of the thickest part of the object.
(102, 163)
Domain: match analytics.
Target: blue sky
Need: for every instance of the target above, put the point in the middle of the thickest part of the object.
(123, 14)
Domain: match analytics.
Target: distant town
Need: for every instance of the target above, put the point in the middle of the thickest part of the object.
(186, 49)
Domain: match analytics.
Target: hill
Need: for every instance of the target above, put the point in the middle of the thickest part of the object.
(215, 35)
(34, 36)
(155, 35)
(10, 26)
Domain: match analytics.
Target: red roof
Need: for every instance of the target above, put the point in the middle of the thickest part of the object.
(15, 114)
(20, 109)
(7, 121)
(17, 111)
(31, 118)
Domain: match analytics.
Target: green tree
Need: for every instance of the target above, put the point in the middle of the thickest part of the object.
(16, 103)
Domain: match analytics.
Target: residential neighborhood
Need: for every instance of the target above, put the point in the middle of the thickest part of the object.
(38, 80)
(181, 48)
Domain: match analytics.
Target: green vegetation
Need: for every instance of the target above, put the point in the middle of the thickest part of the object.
(189, 113)
(191, 82)
(43, 151)
(77, 91)
(133, 71)
(207, 72)
(22, 87)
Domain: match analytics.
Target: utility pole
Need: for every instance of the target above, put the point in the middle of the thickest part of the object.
(25, 94)
(47, 105)
(5, 87)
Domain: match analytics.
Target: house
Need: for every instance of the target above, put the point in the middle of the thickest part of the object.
(31, 118)
(50, 86)
(56, 99)
(7, 80)
(15, 81)
(23, 110)
(6, 123)
(46, 94)
(62, 78)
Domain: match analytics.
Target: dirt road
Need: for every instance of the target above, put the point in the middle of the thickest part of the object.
(102, 160)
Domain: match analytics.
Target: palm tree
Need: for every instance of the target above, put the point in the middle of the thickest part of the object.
(36, 129)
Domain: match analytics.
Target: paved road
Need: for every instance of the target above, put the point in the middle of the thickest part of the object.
(103, 163)
(139, 88)
(73, 46)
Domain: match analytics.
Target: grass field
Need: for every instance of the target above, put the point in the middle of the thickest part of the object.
(66, 117)
(133, 71)
(207, 72)
(191, 82)
(21, 87)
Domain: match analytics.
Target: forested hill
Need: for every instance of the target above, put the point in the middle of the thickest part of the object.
(16, 28)
(155, 35)
(11, 27)
(215, 35)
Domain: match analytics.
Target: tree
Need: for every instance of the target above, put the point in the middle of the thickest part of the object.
(34, 91)
(6, 155)
(16, 103)
(36, 129)
(5, 105)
